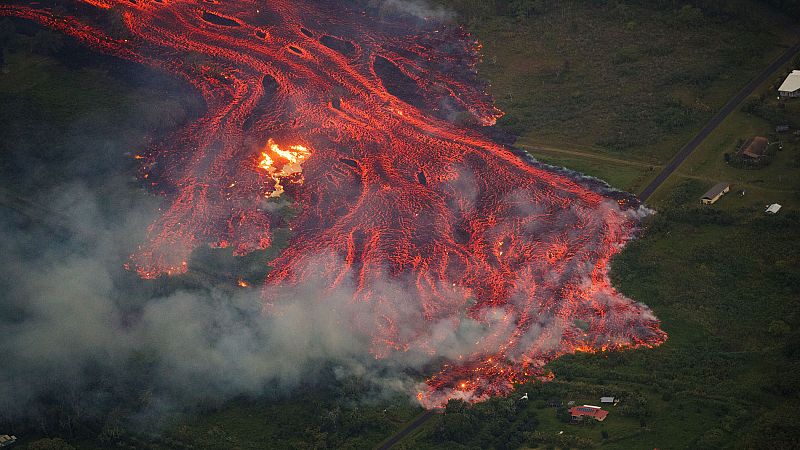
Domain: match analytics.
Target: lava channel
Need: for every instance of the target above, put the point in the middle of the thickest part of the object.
(457, 248)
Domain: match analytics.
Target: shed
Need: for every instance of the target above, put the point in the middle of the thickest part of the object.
(6, 440)
(715, 193)
(607, 399)
(773, 208)
(791, 85)
(755, 147)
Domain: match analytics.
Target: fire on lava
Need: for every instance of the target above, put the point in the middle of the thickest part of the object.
(283, 164)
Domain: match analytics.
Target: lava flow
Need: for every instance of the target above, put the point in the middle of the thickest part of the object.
(450, 245)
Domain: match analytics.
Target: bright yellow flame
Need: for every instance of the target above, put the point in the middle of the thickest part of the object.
(281, 163)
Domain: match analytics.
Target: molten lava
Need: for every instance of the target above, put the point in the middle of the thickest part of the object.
(450, 245)
(283, 164)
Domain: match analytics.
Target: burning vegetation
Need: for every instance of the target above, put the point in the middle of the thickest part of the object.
(450, 245)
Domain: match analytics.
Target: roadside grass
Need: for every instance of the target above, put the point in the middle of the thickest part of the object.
(777, 182)
(626, 177)
(563, 74)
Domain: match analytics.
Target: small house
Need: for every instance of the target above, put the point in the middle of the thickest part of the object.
(754, 148)
(791, 85)
(578, 413)
(607, 400)
(773, 208)
(715, 193)
(6, 440)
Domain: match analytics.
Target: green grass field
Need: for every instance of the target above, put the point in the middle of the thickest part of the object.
(630, 79)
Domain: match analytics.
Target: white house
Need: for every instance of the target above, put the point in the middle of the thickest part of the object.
(791, 85)
(773, 208)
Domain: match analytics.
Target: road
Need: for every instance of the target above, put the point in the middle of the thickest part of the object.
(716, 121)
(418, 421)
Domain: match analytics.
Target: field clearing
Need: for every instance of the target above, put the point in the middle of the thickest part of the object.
(561, 75)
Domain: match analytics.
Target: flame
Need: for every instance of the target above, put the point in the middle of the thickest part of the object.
(281, 164)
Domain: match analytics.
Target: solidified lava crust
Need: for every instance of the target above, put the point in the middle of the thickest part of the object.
(456, 247)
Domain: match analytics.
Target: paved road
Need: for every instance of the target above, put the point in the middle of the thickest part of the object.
(407, 430)
(715, 121)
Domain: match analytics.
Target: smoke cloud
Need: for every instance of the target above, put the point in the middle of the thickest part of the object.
(418, 9)
(73, 317)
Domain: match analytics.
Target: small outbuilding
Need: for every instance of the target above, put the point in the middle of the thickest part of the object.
(773, 208)
(782, 128)
(791, 85)
(607, 400)
(6, 440)
(592, 412)
(715, 193)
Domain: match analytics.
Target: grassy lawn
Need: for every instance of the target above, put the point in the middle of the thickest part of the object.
(630, 80)
(620, 175)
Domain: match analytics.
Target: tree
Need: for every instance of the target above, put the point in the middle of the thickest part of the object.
(50, 444)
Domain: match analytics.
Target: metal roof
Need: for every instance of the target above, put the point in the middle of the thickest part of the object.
(791, 83)
(716, 190)
(773, 208)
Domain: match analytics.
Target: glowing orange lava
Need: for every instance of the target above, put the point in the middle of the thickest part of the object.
(283, 164)
(451, 245)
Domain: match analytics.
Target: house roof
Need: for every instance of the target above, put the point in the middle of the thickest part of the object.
(716, 190)
(755, 147)
(773, 208)
(589, 411)
(606, 399)
(791, 83)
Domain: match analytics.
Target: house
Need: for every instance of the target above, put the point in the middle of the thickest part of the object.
(754, 148)
(773, 208)
(6, 440)
(715, 193)
(592, 412)
(607, 400)
(791, 85)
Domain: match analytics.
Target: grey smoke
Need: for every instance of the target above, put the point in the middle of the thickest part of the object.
(419, 9)
(70, 315)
